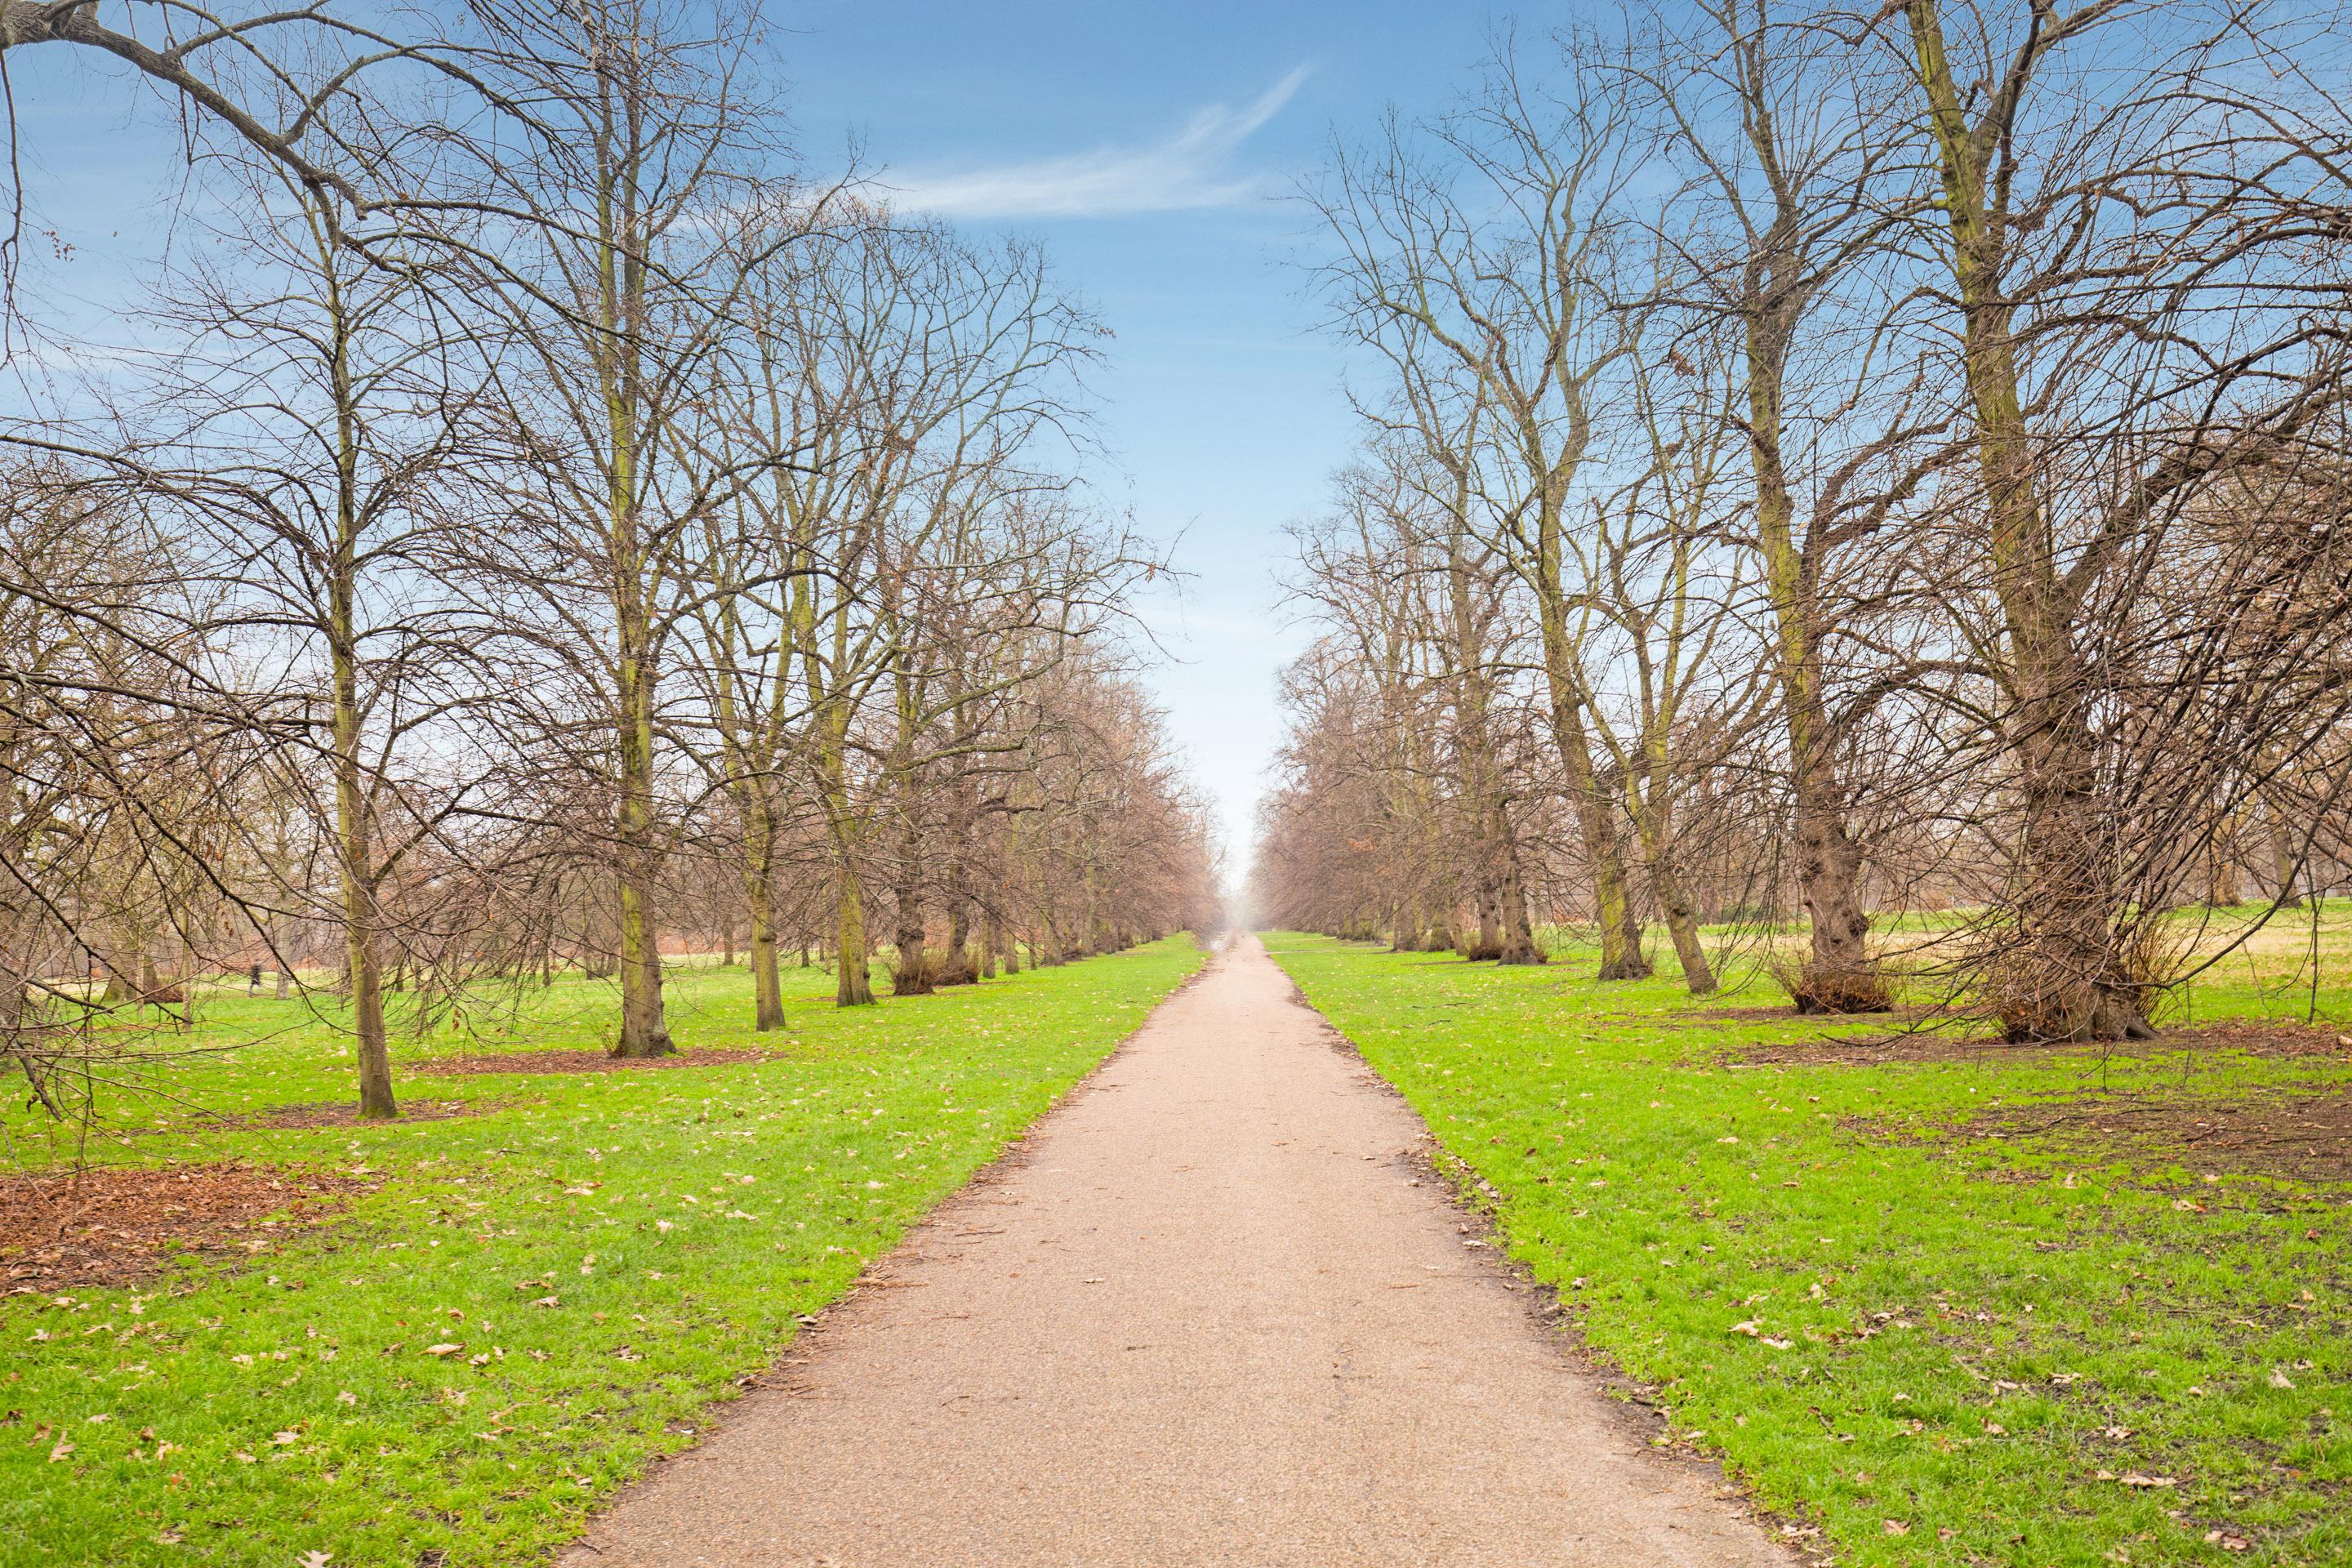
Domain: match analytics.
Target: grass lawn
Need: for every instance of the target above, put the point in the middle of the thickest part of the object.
(519, 1307)
(1921, 1342)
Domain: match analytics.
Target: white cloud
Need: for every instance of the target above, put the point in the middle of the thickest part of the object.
(1190, 168)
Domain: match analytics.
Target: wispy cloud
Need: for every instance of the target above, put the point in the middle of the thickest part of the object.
(1192, 167)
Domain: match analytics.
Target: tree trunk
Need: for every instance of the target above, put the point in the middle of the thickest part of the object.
(767, 985)
(1650, 802)
(366, 984)
(955, 965)
(1516, 937)
(760, 902)
(2221, 891)
(643, 1032)
(2285, 864)
(911, 975)
(114, 991)
(1621, 931)
(355, 810)
(1682, 927)
(1488, 945)
(853, 985)
(2059, 974)
(363, 974)
(1839, 975)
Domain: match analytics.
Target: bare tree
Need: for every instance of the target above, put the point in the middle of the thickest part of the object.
(2130, 337)
(1484, 267)
(645, 129)
(1797, 174)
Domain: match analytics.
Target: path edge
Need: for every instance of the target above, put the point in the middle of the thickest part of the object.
(768, 1383)
(1629, 1404)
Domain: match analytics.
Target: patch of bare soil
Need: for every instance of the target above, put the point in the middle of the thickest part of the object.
(1789, 1015)
(1779, 1012)
(2302, 1137)
(587, 1061)
(113, 1224)
(299, 1118)
(2252, 1036)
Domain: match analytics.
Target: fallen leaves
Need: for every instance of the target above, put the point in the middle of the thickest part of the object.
(111, 1226)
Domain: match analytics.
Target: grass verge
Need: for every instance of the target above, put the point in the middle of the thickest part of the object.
(516, 1310)
(1920, 1345)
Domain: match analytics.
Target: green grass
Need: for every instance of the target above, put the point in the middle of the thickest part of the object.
(253, 1412)
(1927, 1346)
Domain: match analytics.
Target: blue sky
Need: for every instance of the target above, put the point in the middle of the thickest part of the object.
(1148, 144)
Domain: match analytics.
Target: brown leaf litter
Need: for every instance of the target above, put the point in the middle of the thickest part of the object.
(2301, 1137)
(587, 1061)
(2251, 1036)
(113, 1224)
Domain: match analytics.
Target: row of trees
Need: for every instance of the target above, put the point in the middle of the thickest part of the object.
(544, 511)
(1827, 461)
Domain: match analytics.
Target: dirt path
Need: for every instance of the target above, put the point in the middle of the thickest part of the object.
(1213, 1317)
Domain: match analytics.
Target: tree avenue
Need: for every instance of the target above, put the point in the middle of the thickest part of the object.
(1821, 462)
(554, 534)
(592, 750)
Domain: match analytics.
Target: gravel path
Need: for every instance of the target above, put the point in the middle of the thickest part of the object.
(1212, 1316)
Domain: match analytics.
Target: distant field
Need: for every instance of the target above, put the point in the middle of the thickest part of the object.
(1934, 1300)
(440, 1342)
